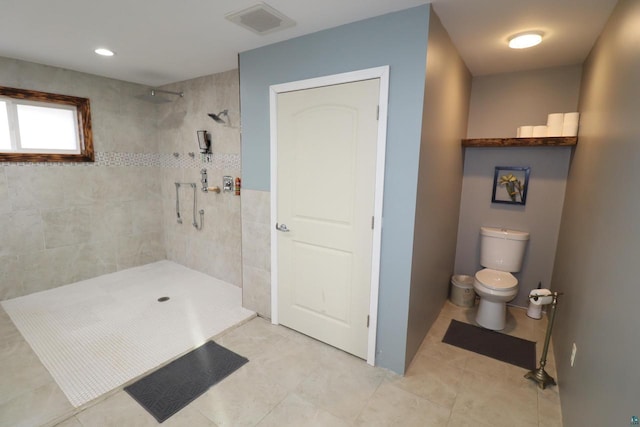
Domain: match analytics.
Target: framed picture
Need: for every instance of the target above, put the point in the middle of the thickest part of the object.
(510, 185)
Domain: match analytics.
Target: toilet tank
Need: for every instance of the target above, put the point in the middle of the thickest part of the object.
(502, 249)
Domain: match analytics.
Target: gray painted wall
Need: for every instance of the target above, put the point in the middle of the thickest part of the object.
(444, 123)
(499, 104)
(399, 40)
(540, 216)
(502, 102)
(597, 262)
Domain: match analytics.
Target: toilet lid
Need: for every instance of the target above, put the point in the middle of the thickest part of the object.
(496, 279)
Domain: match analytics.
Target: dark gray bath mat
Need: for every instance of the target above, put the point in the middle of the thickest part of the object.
(172, 387)
(516, 351)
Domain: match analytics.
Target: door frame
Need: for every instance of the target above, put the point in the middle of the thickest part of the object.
(381, 73)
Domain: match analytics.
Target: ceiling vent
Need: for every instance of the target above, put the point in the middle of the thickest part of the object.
(261, 19)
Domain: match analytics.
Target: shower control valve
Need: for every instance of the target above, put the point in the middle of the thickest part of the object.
(204, 180)
(227, 183)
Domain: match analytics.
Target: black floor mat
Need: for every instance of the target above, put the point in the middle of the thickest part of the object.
(172, 387)
(516, 351)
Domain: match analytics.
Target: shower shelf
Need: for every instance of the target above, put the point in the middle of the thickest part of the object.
(550, 141)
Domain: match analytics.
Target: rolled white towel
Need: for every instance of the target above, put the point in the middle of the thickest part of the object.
(570, 126)
(540, 131)
(555, 122)
(526, 131)
(571, 117)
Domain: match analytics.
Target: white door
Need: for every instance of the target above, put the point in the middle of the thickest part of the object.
(326, 151)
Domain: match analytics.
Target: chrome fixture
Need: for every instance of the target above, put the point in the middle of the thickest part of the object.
(152, 95)
(282, 227)
(178, 219)
(204, 141)
(204, 180)
(192, 154)
(227, 183)
(201, 211)
(218, 117)
(540, 376)
(176, 155)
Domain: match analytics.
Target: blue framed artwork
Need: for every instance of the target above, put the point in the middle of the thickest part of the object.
(510, 185)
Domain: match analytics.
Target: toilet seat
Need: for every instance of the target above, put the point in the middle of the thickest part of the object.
(496, 280)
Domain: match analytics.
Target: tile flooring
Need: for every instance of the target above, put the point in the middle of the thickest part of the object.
(292, 380)
(111, 329)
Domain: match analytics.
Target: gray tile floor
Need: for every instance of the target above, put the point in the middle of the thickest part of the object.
(293, 380)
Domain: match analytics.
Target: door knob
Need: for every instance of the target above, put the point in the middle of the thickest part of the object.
(282, 227)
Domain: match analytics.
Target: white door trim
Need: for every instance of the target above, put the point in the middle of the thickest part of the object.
(381, 73)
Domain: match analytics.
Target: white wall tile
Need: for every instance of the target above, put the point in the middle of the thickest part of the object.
(5, 206)
(68, 226)
(140, 249)
(256, 290)
(256, 251)
(61, 222)
(22, 232)
(216, 249)
(10, 277)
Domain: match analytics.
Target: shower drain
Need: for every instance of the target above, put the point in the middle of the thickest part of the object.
(163, 299)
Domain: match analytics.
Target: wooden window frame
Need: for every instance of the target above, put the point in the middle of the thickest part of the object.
(85, 135)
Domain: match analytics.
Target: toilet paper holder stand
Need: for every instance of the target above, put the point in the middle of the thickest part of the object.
(539, 375)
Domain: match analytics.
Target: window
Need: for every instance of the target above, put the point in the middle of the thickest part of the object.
(44, 127)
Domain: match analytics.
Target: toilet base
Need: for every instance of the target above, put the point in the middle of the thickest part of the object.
(492, 314)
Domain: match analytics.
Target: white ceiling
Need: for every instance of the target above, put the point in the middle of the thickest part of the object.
(480, 29)
(165, 41)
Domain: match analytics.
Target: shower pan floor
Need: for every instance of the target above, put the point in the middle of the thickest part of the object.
(99, 334)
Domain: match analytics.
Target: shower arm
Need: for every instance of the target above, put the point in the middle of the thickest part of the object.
(180, 94)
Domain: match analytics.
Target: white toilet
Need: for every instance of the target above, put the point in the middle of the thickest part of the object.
(501, 251)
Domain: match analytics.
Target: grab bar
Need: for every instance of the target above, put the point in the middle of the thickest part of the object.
(201, 212)
(179, 220)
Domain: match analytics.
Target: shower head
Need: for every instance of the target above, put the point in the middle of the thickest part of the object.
(218, 117)
(152, 95)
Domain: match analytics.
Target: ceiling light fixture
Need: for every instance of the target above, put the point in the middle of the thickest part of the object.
(525, 40)
(104, 52)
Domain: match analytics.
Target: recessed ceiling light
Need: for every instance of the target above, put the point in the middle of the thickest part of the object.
(104, 52)
(525, 40)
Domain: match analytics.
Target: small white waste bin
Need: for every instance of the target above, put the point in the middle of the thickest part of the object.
(462, 292)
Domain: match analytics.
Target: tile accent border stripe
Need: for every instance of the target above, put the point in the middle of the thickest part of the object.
(217, 161)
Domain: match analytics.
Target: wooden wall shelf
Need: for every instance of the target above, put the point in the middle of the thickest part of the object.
(550, 141)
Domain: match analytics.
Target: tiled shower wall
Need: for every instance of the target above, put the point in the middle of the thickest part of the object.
(62, 222)
(216, 249)
(256, 251)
